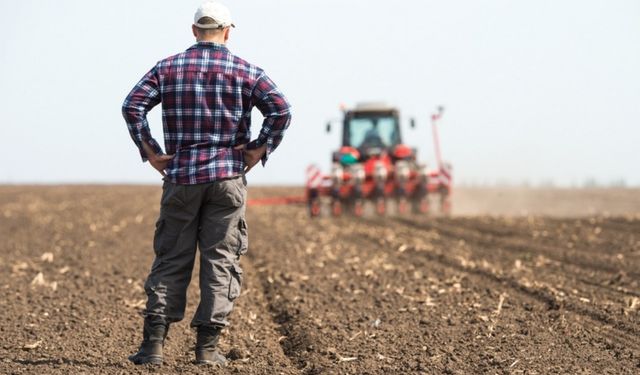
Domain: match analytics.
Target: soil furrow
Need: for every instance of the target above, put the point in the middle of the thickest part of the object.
(374, 235)
(601, 263)
(629, 331)
(570, 278)
(378, 295)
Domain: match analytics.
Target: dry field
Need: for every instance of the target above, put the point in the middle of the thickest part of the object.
(516, 281)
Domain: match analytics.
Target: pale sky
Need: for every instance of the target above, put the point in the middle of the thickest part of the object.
(534, 90)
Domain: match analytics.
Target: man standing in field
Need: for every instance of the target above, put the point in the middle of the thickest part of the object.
(207, 95)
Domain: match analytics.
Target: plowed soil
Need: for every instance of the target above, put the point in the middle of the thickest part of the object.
(547, 282)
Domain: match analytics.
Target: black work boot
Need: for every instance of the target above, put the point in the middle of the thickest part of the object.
(153, 335)
(206, 353)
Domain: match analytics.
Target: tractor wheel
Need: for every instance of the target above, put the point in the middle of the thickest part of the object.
(358, 208)
(421, 205)
(314, 207)
(381, 206)
(445, 204)
(402, 206)
(336, 208)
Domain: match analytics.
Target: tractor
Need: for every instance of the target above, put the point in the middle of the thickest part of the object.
(375, 167)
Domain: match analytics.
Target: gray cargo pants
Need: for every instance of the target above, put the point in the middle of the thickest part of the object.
(208, 216)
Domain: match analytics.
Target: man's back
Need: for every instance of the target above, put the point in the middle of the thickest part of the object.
(207, 95)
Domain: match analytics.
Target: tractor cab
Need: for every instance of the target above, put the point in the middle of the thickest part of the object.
(371, 131)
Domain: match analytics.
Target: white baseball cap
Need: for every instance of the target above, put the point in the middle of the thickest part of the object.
(220, 14)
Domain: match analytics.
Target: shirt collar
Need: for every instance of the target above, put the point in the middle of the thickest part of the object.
(213, 45)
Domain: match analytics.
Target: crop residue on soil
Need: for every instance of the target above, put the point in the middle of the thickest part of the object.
(403, 294)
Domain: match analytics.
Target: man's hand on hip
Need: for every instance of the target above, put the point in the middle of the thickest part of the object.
(157, 161)
(253, 156)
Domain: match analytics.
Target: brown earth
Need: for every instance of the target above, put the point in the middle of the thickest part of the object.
(548, 282)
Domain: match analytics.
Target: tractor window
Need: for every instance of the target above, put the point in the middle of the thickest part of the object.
(373, 132)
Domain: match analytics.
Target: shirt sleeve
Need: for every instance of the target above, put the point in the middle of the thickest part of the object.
(277, 115)
(143, 97)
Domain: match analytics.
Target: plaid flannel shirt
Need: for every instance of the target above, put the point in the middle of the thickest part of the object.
(207, 95)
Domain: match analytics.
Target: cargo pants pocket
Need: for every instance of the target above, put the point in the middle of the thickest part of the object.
(164, 238)
(159, 247)
(168, 226)
(243, 237)
(235, 283)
